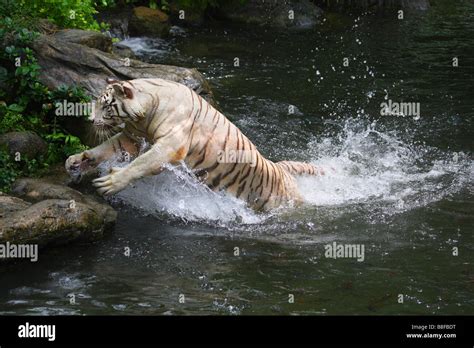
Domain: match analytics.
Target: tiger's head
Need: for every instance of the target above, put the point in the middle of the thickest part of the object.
(117, 105)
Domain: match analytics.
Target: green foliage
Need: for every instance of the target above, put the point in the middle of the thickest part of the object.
(165, 5)
(26, 104)
(8, 172)
(113, 3)
(61, 146)
(12, 119)
(64, 13)
(10, 169)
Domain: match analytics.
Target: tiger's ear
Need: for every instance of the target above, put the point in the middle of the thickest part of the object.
(110, 80)
(128, 92)
(123, 91)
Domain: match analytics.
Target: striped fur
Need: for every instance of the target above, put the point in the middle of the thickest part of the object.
(183, 127)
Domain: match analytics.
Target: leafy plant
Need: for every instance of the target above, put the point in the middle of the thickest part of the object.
(26, 104)
(8, 172)
(61, 145)
(12, 118)
(64, 13)
(165, 5)
(10, 169)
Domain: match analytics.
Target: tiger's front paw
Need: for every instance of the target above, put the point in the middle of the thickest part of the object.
(79, 164)
(112, 183)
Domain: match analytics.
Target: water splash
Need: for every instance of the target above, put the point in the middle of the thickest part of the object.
(363, 164)
(148, 47)
(368, 164)
(177, 193)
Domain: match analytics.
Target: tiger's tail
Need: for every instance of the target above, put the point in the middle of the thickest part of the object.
(300, 168)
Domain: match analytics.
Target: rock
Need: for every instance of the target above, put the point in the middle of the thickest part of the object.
(88, 38)
(123, 51)
(58, 215)
(9, 204)
(65, 63)
(273, 13)
(36, 190)
(52, 221)
(45, 26)
(177, 31)
(117, 18)
(28, 144)
(146, 21)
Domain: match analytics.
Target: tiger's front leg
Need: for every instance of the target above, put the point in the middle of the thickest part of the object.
(149, 163)
(83, 163)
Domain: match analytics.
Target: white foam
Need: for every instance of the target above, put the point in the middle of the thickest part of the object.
(370, 165)
(155, 47)
(178, 193)
(362, 166)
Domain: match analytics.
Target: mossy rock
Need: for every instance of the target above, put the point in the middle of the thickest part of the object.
(146, 21)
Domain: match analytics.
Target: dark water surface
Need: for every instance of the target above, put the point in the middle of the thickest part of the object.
(402, 185)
